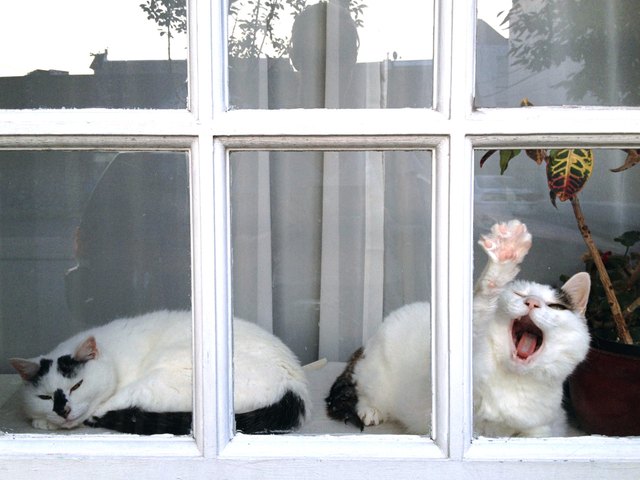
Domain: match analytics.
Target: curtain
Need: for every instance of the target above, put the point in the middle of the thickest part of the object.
(325, 244)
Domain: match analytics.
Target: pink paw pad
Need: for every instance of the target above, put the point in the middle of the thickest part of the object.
(507, 242)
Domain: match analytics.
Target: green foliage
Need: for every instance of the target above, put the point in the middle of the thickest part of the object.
(623, 272)
(567, 172)
(629, 239)
(505, 157)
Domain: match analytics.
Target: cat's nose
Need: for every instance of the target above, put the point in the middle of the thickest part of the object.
(532, 302)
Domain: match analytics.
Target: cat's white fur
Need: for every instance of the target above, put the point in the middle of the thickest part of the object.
(393, 377)
(512, 396)
(264, 369)
(145, 362)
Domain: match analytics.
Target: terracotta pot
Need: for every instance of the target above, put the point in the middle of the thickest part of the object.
(605, 389)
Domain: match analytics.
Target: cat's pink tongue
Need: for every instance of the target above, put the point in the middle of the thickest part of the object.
(526, 345)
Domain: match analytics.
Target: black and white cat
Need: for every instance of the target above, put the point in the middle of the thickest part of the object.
(527, 339)
(134, 375)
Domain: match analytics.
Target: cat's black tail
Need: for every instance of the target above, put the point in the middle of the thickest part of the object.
(343, 396)
(134, 420)
(281, 417)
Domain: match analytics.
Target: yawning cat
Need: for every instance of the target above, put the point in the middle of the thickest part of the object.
(134, 375)
(527, 339)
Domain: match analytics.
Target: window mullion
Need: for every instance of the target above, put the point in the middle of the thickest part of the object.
(201, 57)
(460, 227)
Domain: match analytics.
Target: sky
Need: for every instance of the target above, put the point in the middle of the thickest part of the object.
(62, 34)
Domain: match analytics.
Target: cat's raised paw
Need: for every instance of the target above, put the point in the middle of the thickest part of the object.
(507, 242)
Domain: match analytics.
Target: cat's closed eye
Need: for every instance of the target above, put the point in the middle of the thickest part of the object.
(76, 386)
(558, 306)
(44, 397)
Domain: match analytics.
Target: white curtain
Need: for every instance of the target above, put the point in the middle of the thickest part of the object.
(326, 243)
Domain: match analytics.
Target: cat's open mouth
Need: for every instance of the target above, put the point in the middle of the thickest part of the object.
(527, 337)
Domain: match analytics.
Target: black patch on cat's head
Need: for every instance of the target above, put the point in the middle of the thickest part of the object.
(343, 397)
(69, 366)
(565, 299)
(45, 365)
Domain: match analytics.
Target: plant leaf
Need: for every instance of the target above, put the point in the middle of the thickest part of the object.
(537, 156)
(567, 172)
(629, 239)
(632, 159)
(505, 157)
(486, 156)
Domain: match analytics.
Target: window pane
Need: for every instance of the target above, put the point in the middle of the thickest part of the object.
(557, 52)
(336, 54)
(110, 53)
(86, 238)
(326, 245)
(538, 334)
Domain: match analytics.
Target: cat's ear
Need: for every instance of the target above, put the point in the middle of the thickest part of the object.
(26, 368)
(87, 350)
(577, 288)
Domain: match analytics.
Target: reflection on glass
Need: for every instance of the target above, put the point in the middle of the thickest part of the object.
(330, 54)
(86, 61)
(325, 246)
(593, 228)
(557, 52)
(86, 238)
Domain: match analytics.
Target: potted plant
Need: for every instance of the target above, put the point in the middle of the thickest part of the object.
(605, 389)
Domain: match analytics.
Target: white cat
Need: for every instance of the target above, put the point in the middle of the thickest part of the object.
(390, 378)
(527, 339)
(134, 375)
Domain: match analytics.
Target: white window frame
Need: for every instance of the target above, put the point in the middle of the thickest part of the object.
(452, 129)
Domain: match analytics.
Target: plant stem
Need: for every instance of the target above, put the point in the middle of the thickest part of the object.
(634, 277)
(631, 308)
(621, 326)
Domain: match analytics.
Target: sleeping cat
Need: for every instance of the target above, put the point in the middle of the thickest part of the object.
(527, 339)
(134, 375)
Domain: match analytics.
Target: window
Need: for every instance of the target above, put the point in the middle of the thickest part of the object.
(250, 138)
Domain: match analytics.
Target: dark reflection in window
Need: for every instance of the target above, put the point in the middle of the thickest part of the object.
(330, 54)
(557, 52)
(132, 242)
(86, 237)
(114, 84)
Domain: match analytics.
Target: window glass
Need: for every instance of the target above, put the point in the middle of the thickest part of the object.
(532, 328)
(85, 238)
(333, 54)
(557, 52)
(326, 246)
(113, 54)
